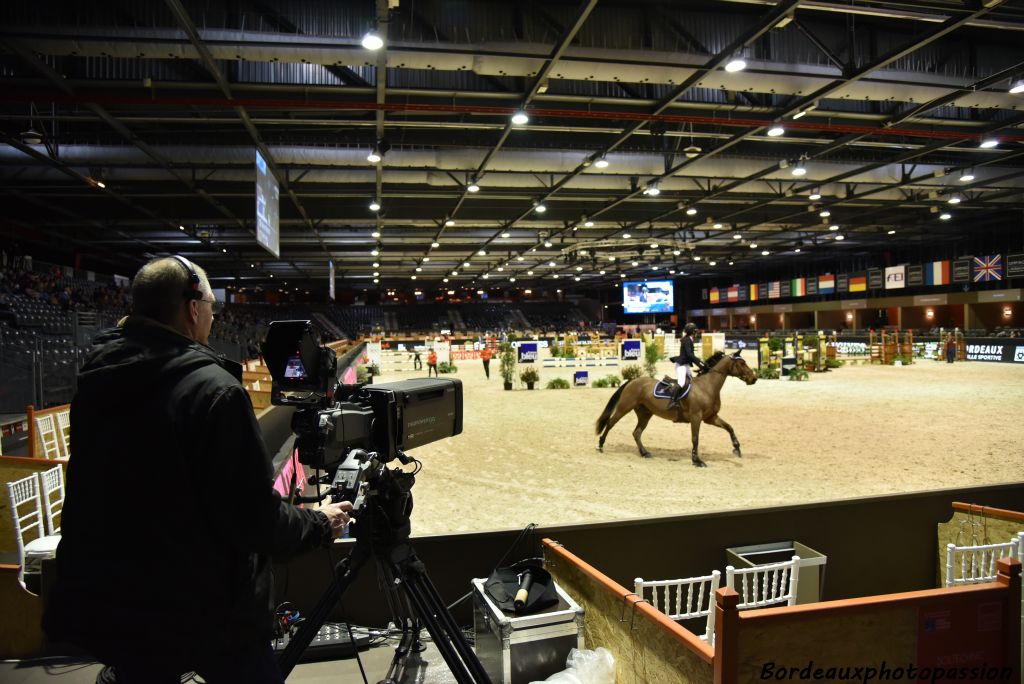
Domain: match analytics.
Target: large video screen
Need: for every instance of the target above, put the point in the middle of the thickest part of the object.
(268, 233)
(650, 296)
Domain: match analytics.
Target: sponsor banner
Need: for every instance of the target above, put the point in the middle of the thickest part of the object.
(812, 286)
(528, 352)
(786, 288)
(742, 310)
(855, 304)
(851, 348)
(1015, 265)
(995, 350)
(859, 283)
(764, 290)
(921, 300)
(962, 271)
(704, 294)
(842, 283)
(986, 269)
(895, 277)
(631, 350)
(580, 378)
(827, 283)
(937, 273)
(1000, 295)
(876, 278)
(719, 312)
(742, 289)
(915, 275)
(782, 308)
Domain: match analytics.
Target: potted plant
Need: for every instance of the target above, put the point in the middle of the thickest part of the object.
(651, 358)
(529, 376)
(507, 363)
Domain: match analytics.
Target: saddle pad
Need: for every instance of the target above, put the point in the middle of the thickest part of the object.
(663, 390)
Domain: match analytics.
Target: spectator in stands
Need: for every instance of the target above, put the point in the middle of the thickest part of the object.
(683, 361)
(485, 356)
(432, 363)
(181, 583)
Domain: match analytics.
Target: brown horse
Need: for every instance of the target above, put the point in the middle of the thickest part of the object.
(700, 405)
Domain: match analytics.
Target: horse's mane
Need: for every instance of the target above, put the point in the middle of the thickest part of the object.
(712, 360)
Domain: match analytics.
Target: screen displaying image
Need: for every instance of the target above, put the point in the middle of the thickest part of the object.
(651, 296)
(294, 369)
(268, 233)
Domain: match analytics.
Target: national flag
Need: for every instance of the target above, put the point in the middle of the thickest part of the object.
(799, 287)
(774, 289)
(858, 283)
(753, 292)
(987, 268)
(937, 273)
(714, 295)
(733, 293)
(826, 284)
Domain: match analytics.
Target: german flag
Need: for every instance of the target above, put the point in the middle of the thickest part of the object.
(858, 283)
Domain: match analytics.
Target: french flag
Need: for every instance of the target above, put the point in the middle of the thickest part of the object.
(937, 273)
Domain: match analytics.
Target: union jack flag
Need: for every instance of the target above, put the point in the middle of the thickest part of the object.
(987, 268)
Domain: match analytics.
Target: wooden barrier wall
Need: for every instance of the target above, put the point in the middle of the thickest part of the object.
(648, 646)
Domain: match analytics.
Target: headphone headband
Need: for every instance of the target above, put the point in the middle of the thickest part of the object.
(194, 288)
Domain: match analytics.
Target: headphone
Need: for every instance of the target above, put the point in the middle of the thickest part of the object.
(194, 288)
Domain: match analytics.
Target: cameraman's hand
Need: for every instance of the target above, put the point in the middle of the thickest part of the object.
(337, 515)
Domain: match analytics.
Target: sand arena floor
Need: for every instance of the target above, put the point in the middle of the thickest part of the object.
(530, 456)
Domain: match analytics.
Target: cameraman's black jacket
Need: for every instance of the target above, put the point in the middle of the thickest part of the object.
(170, 518)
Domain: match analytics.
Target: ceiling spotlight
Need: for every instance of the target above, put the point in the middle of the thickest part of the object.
(445, 280)
(579, 268)
(512, 279)
(730, 263)
(465, 264)
(455, 273)
(603, 272)
(945, 216)
(588, 224)
(654, 245)
(954, 200)
(967, 176)
(691, 212)
(100, 184)
(374, 252)
(551, 264)
(735, 64)
(622, 275)
(795, 250)
(181, 227)
(601, 162)
(372, 41)
(426, 259)
(988, 143)
(34, 137)
(375, 156)
(676, 252)
(833, 227)
(374, 205)
(636, 263)
(224, 249)
(814, 196)
(482, 252)
(520, 118)
(611, 258)
(753, 245)
(473, 187)
(529, 273)
(419, 269)
(626, 236)
(376, 273)
(712, 263)
(449, 222)
(375, 234)
(376, 280)
(692, 151)
(555, 276)
(892, 232)
(547, 243)
(696, 257)
(540, 208)
(506, 234)
(1017, 87)
(765, 252)
(775, 131)
(501, 268)
(824, 213)
(718, 226)
(840, 237)
(652, 189)
(376, 264)
(799, 169)
(737, 236)
(414, 277)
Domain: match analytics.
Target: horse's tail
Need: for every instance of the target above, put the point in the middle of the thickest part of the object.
(602, 422)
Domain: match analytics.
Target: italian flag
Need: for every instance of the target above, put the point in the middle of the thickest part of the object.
(936, 273)
(799, 287)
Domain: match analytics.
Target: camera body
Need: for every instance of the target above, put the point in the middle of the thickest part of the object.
(353, 431)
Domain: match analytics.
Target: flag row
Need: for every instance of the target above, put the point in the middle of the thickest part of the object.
(979, 269)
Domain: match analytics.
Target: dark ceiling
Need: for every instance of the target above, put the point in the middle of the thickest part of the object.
(885, 104)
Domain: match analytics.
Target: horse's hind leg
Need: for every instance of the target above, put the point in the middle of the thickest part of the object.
(616, 417)
(643, 417)
(717, 421)
(695, 435)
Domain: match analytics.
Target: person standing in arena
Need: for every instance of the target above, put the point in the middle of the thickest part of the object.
(182, 582)
(432, 363)
(683, 361)
(950, 348)
(485, 356)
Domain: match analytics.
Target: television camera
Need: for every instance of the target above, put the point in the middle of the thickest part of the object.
(354, 432)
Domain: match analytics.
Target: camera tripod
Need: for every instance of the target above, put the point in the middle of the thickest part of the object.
(382, 533)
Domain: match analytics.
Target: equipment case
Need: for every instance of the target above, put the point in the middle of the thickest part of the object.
(527, 648)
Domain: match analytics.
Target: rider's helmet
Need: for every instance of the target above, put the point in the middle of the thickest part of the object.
(689, 328)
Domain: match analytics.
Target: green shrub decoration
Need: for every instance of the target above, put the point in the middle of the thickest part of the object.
(631, 372)
(507, 360)
(529, 375)
(834, 363)
(362, 374)
(600, 382)
(447, 367)
(775, 343)
(651, 358)
(557, 383)
(612, 381)
(768, 373)
(798, 374)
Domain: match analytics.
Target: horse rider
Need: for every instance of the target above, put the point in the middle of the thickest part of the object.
(683, 361)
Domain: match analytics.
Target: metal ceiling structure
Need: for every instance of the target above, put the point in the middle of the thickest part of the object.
(130, 130)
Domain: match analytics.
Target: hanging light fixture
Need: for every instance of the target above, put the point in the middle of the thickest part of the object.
(799, 169)
(967, 176)
(735, 64)
(372, 41)
(601, 162)
(374, 205)
(775, 130)
(520, 118)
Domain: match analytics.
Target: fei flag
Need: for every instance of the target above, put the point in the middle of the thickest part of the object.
(895, 277)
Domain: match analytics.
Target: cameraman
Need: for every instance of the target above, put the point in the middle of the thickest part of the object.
(170, 519)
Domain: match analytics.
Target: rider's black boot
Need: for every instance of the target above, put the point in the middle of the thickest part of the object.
(676, 396)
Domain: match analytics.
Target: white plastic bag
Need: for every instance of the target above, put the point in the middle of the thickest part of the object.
(586, 667)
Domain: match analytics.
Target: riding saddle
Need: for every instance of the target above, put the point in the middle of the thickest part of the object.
(666, 387)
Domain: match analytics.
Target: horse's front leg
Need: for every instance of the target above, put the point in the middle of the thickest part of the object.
(695, 435)
(643, 417)
(716, 420)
